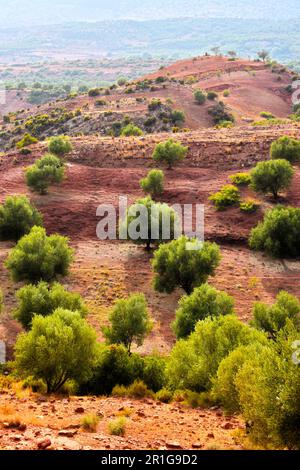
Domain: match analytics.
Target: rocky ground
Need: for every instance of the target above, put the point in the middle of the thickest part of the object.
(37, 422)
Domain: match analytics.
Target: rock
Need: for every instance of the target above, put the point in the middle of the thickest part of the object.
(173, 445)
(22, 427)
(197, 445)
(79, 410)
(43, 444)
(41, 399)
(68, 444)
(227, 425)
(211, 435)
(67, 432)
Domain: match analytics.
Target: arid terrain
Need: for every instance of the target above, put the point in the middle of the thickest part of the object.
(100, 169)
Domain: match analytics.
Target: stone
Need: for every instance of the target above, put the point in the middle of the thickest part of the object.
(67, 432)
(197, 445)
(43, 444)
(68, 444)
(79, 410)
(173, 445)
(227, 425)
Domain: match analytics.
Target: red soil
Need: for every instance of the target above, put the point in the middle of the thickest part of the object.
(105, 270)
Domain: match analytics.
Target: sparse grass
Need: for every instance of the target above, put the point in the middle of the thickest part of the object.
(164, 395)
(117, 427)
(119, 391)
(136, 390)
(125, 412)
(215, 446)
(253, 282)
(14, 419)
(90, 422)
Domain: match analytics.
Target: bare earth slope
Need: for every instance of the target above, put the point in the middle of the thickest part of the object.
(99, 170)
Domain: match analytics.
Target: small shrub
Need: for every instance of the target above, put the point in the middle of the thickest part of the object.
(117, 427)
(26, 141)
(271, 234)
(286, 148)
(220, 114)
(228, 196)
(154, 372)
(114, 367)
(249, 206)
(169, 152)
(119, 391)
(177, 117)
(272, 177)
(164, 395)
(225, 125)
(154, 104)
(274, 318)
(131, 130)
(212, 95)
(17, 217)
(46, 171)
(200, 97)
(94, 92)
(226, 93)
(100, 103)
(138, 390)
(153, 183)
(25, 151)
(267, 115)
(60, 145)
(241, 179)
(193, 399)
(90, 422)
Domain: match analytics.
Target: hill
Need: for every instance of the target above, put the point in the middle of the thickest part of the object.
(57, 11)
(245, 87)
(104, 165)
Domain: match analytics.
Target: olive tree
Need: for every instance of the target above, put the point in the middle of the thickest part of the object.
(169, 152)
(279, 233)
(148, 222)
(153, 183)
(39, 257)
(130, 322)
(45, 171)
(205, 301)
(177, 264)
(42, 299)
(273, 318)
(60, 145)
(286, 148)
(58, 348)
(272, 177)
(17, 217)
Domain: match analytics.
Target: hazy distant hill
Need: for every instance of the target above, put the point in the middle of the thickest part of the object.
(178, 37)
(17, 12)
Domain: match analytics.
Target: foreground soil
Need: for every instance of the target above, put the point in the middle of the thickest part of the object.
(33, 423)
